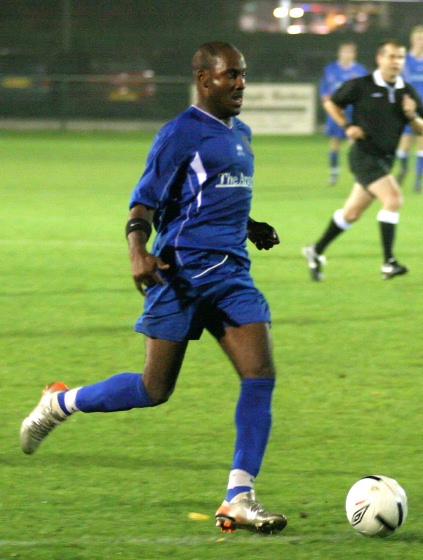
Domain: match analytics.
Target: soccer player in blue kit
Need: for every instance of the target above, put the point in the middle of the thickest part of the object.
(196, 190)
(413, 74)
(334, 75)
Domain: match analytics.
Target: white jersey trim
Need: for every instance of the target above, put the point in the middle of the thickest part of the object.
(211, 267)
(198, 168)
(213, 117)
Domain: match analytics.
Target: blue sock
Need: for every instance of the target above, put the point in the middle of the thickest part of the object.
(232, 492)
(333, 159)
(419, 168)
(120, 392)
(253, 420)
(403, 160)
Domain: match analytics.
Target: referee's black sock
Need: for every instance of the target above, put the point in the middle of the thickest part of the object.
(336, 226)
(387, 232)
(388, 221)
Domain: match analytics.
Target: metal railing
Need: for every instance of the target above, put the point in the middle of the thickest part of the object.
(123, 95)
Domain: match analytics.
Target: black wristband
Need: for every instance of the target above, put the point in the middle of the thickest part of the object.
(138, 224)
(346, 125)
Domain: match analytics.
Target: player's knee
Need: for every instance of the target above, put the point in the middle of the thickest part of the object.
(260, 371)
(161, 397)
(392, 199)
(395, 207)
(396, 202)
(159, 402)
(393, 204)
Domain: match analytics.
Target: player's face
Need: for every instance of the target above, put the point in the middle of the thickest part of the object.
(391, 61)
(224, 85)
(347, 54)
(417, 41)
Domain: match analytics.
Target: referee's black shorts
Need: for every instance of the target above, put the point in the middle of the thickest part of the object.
(368, 168)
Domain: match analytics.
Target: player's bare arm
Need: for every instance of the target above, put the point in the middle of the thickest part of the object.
(352, 131)
(144, 265)
(409, 107)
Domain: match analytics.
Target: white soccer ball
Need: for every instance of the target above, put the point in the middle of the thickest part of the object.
(376, 506)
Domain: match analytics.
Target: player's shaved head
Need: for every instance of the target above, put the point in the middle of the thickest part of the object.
(207, 55)
(219, 71)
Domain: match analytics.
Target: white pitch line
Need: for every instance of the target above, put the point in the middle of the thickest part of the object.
(182, 541)
(61, 242)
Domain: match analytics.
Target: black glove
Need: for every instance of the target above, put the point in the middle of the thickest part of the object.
(262, 235)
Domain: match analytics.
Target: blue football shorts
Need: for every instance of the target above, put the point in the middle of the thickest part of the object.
(180, 311)
(333, 130)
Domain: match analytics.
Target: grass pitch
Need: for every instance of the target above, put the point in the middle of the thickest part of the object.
(125, 485)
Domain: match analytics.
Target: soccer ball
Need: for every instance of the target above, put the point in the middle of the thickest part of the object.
(376, 506)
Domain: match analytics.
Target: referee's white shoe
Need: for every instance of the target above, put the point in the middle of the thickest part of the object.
(315, 262)
(392, 268)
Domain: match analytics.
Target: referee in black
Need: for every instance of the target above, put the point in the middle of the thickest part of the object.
(382, 105)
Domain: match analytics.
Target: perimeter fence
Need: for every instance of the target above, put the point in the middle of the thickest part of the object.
(121, 96)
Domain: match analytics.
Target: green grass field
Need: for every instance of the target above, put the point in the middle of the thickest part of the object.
(349, 354)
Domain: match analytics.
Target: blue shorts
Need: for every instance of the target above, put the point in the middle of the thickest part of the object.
(333, 130)
(180, 311)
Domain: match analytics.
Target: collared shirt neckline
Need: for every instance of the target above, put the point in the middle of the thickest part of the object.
(379, 81)
(213, 117)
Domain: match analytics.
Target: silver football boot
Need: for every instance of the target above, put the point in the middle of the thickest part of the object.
(245, 512)
(42, 419)
(315, 262)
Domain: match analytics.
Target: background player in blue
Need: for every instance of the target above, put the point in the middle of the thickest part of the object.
(335, 74)
(413, 74)
(196, 189)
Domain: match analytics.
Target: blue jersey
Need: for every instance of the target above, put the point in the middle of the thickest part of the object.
(198, 178)
(413, 72)
(334, 75)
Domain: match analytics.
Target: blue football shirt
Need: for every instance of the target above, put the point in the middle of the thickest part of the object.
(413, 72)
(334, 75)
(199, 178)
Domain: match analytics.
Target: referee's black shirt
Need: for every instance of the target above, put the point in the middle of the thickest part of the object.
(377, 109)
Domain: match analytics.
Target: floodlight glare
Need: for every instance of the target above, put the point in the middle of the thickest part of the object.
(280, 12)
(296, 13)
